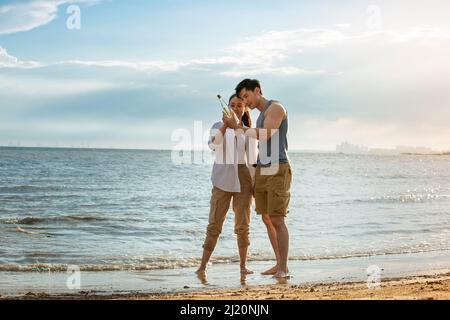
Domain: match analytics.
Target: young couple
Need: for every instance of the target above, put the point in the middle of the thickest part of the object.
(232, 175)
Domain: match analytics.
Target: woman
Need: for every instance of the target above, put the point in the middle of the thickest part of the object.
(231, 180)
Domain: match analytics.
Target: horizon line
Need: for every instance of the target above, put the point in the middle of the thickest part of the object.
(142, 149)
(206, 149)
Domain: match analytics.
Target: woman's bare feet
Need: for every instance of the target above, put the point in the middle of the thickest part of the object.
(245, 270)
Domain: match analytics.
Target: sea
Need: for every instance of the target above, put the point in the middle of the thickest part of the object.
(115, 210)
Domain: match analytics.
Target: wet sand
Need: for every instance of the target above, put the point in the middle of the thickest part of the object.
(432, 286)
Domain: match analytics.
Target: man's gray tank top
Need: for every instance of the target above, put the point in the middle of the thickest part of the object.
(265, 147)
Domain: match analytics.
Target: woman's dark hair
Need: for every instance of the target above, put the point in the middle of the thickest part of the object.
(246, 117)
(231, 98)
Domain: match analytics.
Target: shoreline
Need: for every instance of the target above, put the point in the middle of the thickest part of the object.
(325, 277)
(429, 286)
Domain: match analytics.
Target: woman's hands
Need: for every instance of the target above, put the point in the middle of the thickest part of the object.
(231, 120)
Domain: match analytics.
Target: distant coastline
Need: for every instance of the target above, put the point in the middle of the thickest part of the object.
(387, 152)
(427, 154)
(349, 148)
(82, 148)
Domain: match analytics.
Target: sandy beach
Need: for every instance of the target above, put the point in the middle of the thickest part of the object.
(432, 286)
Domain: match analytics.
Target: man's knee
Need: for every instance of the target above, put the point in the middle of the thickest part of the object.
(266, 219)
(278, 222)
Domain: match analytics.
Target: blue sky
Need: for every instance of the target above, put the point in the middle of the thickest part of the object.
(369, 72)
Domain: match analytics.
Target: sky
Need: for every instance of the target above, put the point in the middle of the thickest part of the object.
(131, 73)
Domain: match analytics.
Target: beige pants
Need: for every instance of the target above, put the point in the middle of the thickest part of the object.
(220, 203)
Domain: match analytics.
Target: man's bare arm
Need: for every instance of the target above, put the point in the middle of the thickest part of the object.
(272, 122)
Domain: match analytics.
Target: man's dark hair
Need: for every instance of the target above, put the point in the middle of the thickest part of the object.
(248, 84)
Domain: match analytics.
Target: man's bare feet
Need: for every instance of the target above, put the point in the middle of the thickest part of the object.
(282, 274)
(201, 275)
(200, 270)
(270, 271)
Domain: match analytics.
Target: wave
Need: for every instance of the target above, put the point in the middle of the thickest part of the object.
(406, 198)
(65, 188)
(20, 188)
(28, 188)
(19, 229)
(27, 221)
(42, 254)
(172, 206)
(82, 218)
(412, 196)
(368, 254)
(36, 220)
(161, 263)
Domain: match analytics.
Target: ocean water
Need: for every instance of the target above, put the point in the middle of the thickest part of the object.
(135, 210)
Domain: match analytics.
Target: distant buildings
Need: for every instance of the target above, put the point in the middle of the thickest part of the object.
(421, 150)
(348, 148)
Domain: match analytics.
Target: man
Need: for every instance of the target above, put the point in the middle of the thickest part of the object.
(274, 173)
(231, 181)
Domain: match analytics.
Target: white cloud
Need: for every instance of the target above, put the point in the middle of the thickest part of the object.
(8, 61)
(5, 9)
(343, 25)
(280, 71)
(163, 66)
(260, 55)
(155, 65)
(267, 53)
(173, 66)
(277, 45)
(27, 15)
(253, 56)
(45, 87)
(410, 35)
(273, 44)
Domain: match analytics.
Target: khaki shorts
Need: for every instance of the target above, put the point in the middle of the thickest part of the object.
(273, 192)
